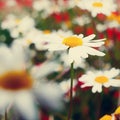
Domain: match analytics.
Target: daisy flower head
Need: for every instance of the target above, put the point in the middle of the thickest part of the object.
(78, 46)
(17, 25)
(98, 79)
(105, 7)
(18, 87)
(36, 37)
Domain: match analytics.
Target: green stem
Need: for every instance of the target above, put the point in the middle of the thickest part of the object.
(71, 91)
(6, 116)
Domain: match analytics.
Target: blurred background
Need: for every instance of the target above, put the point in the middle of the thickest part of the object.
(53, 15)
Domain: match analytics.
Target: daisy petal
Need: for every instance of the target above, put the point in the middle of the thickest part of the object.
(86, 85)
(94, 44)
(56, 47)
(99, 40)
(5, 100)
(112, 73)
(113, 82)
(49, 96)
(97, 87)
(93, 51)
(73, 52)
(81, 36)
(25, 104)
(89, 38)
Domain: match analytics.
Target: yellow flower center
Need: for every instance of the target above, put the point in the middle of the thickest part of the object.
(97, 4)
(106, 117)
(101, 79)
(72, 41)
(117, 111)
(16, 80)
(17, 21)
(46, 31)
(28, 41)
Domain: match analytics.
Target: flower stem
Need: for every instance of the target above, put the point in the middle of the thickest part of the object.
(6, 116)
(71, 91)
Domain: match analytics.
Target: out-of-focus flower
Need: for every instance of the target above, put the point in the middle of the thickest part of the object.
(20, 86)
(36, 37)
(65, 86)
(97, 79)
(2, 4)
(78, 46)
(82, 20)
(61, 17)
(73, 3)
(47, 7)
(40, 5)
(114, 17)
(98, 6)
(24, 3)
(113, 116)
(18, 26)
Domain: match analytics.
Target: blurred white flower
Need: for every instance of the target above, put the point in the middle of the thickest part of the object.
(78, 46)
(40, 5)
(18, 84)
(105, 7)
(101, 27)
(73, 3)
(36, 37)
(18, 26)
(82, 20)
(65, 86)
(47, 7)
(97, 79)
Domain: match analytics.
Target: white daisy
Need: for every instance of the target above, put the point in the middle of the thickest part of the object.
(77, 45)
(17, 25)
(98, 6)
(17, 84)
(98, 79)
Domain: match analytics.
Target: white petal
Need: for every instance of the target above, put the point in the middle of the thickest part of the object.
(44, 69)
(80, 36)
(77, 52)
(55, 47)
(25, 104)
(113, 82)
(99, 40)
(5, 100)
(97, 87)
(87, 85)
(93, 51)
(50, 96)
(112, 73)
(94, 44)
(88, 38)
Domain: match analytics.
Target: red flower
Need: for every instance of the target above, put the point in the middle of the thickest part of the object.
(77, 30)
(27, 3)
(57, 17)
(101, 16)
(2, 4)
(89, 31)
